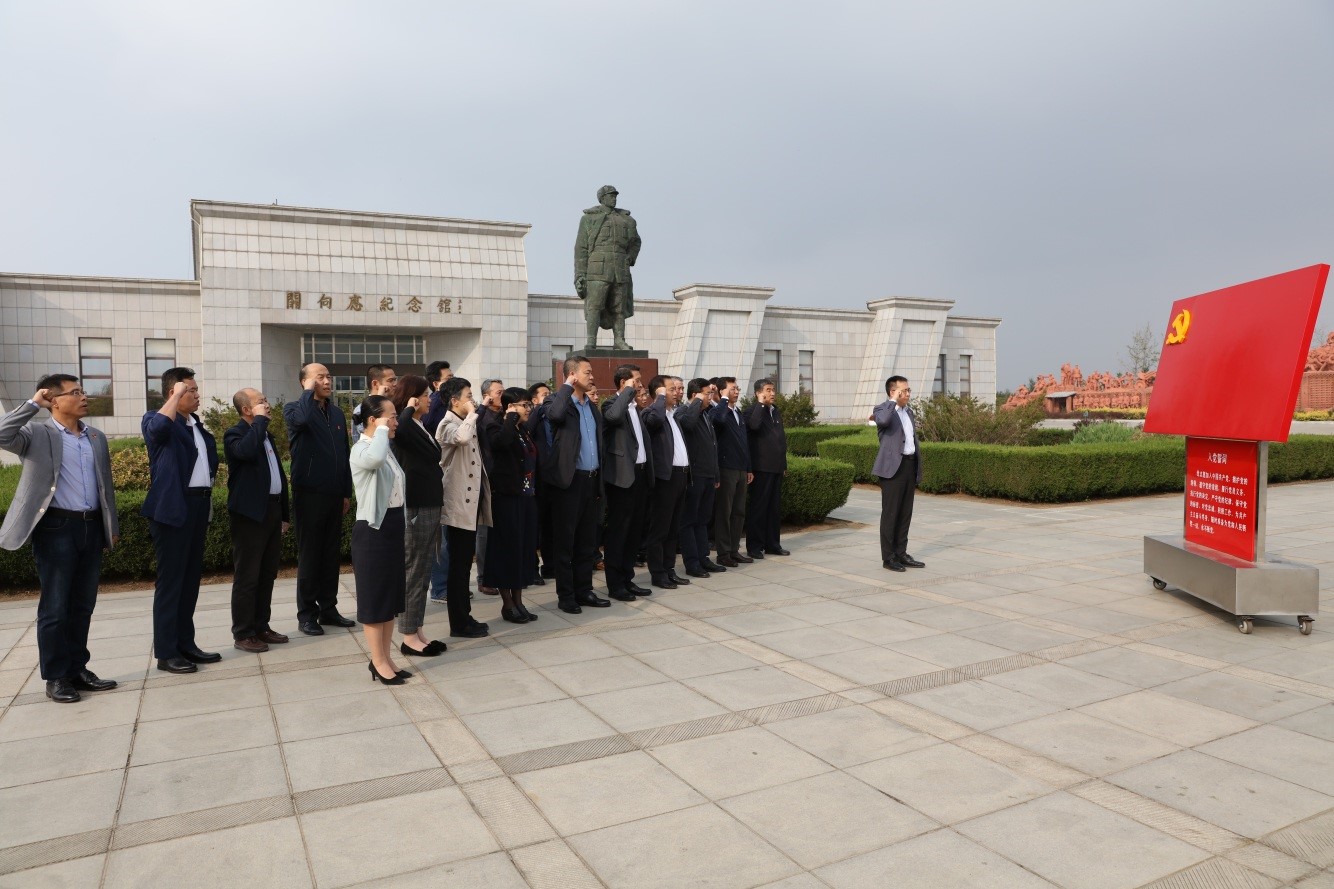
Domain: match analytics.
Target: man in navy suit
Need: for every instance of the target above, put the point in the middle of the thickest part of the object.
(729, 512)
(182, 463)
(258, 508)
(899, 469)
(768, 462)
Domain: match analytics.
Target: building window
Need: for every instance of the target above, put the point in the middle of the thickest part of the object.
(159, 357)
(806, 371)
(966, 375)
(773, 367)
(95, 374)
(364, 349)
(351, 385)
(938, 385)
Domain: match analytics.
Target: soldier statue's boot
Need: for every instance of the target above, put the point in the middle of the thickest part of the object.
(618, 330)
(592, 335)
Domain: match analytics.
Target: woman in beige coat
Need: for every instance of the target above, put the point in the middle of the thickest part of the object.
(467, 500)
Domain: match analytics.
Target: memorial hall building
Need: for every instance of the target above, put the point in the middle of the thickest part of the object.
(277, 286)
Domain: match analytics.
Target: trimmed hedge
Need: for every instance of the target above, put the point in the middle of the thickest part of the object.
(802, 441)
(813, 488)
(1038, 437)
(1067, 473)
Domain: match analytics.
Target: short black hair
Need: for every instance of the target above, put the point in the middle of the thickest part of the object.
(513, 395)
(722, 382)
(372, 406)
(173, 375)
(375, 373)
(696, 386)
(452, 388)
(623, 373)
(433, 370)
(657, 381)
(765, 381)
(51, 381)
(572, 364)
(532, 390)
(889, 383)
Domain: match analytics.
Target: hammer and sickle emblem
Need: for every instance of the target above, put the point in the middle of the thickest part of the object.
(1180, 324)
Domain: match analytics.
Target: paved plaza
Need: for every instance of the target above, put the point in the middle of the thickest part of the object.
(1027, 711)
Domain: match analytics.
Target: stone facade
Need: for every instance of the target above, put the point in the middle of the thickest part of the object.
(278, 285)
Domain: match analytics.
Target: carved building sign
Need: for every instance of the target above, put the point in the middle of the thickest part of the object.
(444, 305)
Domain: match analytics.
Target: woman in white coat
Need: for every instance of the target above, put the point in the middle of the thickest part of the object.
(467, 500)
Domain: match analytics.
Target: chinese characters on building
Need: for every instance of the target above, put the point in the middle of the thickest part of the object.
(355, 302)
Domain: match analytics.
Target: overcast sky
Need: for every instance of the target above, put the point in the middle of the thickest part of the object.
(1069, 167)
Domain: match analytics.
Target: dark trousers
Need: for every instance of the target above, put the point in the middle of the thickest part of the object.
(578, 510)
(547, 496)
(462, 547)
(695, 515)
(664, 522)
(896, 498)
(68, 551)
(256, 548)
(729, 511)
(626, 508)
(319, 539)
(764, 512)
(440, 568)
(180, 562)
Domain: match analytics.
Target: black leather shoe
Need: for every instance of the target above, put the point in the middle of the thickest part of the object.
(570, 608)
(470, 633)
(753, 555)
(591, 599)
(678, 579)
(478, 625)
(310, 628)
(539, 580)
(638, 590)
(778, 552)
(909, 561)
(62, 691)
(201, 657)
(87, 681)
(727, 562)
(176, 665)
(512, 616)
(712, 567)
(743, 560)
(336, 620)
(697, 572)
(894, 566)
(622, 595)
(663, 583)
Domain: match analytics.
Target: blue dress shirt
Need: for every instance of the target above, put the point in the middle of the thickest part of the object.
(588, 436)
(76, 486)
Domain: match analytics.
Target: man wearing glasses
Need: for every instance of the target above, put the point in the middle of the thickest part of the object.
(899, 469)
(66, 505)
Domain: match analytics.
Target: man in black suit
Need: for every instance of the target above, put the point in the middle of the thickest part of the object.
(543, 436)
(671, 472)
(576, 475)
(627, 471)
(729, 513)
(899, 469)
(702, 446)
(258, 508)
(768, 461)
(488, 427)
(321, 495)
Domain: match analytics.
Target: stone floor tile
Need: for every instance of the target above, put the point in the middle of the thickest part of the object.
(452, 742)
(942, 859)
(800, 881)
(200, 695)
(348, 845)
(753, 687)
(1318, 723)
(948, 783)
(1300, 758)
(697, 660)
(949, 617)
(722, 852)
(562, 650)
(884, 629)
(1182, 722)
(338, 714)
(1240, 799)
(949, 650)
(598, 793)
(66, 875)
(1031, 604)
(44, 719)
(357, 756)
(202, 782)
(850, 736)
(868, 666)
(1114, 851)
(67, 806)
(535, 726)
(980, 705)
(320, 682)
(650, 706)
(494, 871)
(826, 818)
(1093, 746)
(1220, 644)
(65, 755)
(636, 640)
(737, 762)
(757, 623)
(827, 612)
(200, 735)
(1061, 685)
(893, 602)
(1104, 620)
(810, 641)
(462, 663)
(268, 854)
(1252, 700)
(605, 674)
(304, 648)
(1132, 667)
(478, 694)
(1018, 636)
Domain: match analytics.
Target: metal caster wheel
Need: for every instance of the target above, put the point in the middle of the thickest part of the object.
(1245, 625)
(1159, 584)
(1304, 625)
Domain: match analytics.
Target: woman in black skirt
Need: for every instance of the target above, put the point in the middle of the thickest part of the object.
(512, 545)
(377, 537)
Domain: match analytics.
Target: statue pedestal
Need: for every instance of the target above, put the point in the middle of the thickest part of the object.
(605, 364)
(628, 354)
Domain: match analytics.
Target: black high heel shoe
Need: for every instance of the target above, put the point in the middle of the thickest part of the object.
(376, 677)
(525, 613)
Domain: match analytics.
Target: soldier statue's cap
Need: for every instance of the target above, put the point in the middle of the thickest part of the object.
(607, 189)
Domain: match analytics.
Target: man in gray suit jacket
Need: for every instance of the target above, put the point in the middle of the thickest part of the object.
(899, 468)
(66, 505)
(627, 474)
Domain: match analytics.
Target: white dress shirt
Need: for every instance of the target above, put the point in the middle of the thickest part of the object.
(275, 478)
(641, 456)
(680, 458)
(199, 477)
(909, 435)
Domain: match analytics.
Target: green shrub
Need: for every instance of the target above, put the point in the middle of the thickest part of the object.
(1103, 432)
(129, 469)
(798, 409)
(802, 441)
(9, 483)
(813, 488)
(1039, 437)
(857, 450)
(945, 417)
(116, 445)
(223, 416)
(1313, 415)
(1301, 457)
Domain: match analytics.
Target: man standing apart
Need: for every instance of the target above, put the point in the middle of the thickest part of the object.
(768, 461)
(627, 478)
(321, 495)
(182, 463)
(671, 470)
(577, 427)
(899, 469)
(66, 505)
(258, 508)
(729, 514)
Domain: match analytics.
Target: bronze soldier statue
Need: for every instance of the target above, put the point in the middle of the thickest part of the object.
(606, 247)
